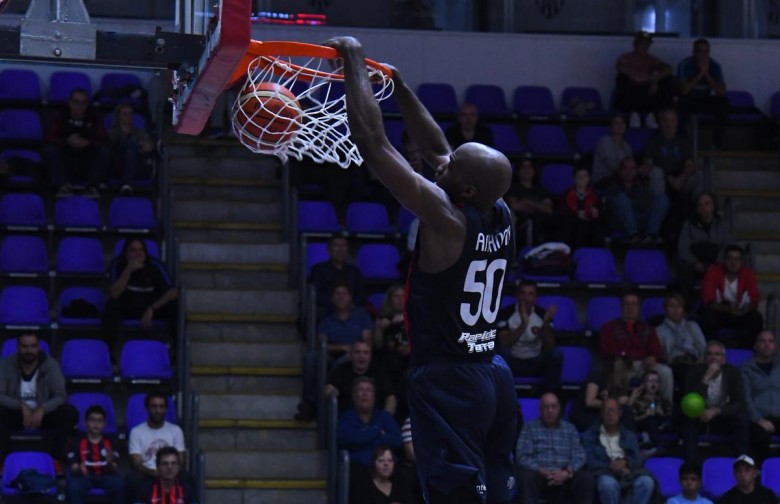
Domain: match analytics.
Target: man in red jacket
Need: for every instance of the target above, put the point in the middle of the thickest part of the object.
(635, 340)
(729, 296)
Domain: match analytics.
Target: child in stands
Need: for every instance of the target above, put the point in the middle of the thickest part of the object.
(690, 482)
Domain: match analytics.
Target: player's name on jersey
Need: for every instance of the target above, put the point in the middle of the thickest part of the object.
(479, 342)
(493, 242)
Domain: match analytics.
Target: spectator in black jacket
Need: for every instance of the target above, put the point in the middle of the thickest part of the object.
(748, 488)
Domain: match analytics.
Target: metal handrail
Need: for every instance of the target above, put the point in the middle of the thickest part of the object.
(322, 369)
(194, 427)
(311, 317)
(332, 422)
(342, 496)
(772, 312)
(297, 243)
(201, 476)
(183, 354)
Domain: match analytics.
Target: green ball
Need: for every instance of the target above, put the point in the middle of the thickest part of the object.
(693, 405)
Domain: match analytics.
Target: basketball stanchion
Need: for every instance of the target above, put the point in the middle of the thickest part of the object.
(292, 103)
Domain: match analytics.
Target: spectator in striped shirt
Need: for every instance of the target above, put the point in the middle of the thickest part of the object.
(551, 459)
(92, 462)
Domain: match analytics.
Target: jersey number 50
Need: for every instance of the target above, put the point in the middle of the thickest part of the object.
(489, 290)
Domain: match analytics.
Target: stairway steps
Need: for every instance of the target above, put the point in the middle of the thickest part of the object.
(247, 357)
(257, 438)
(245, 371)
(254, 318)
(215, 235)
(298, 484)
(265, 464)
(248, 384)
(228, 226)
(234, 278)
(210, 330)
(757, 222)
(202, 255)
(261, 495)
(243, 303)
(747, 179)
(248, 406)
(227, 211)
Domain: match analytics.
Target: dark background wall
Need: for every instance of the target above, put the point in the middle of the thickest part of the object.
(155, 9)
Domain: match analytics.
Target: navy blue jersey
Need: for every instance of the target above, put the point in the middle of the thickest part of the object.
(452, 314)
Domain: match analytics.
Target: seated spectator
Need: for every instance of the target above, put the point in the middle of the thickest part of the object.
(390, 338)
(76, 150)
(92, 462)
(703, 89)
(32, 396)
(690, 483)
(721, 386)
(468, 128)
(636, 340)
(582, 226)
(551, 460)
(365, 427)
(644, 83)
(612, 454)
(636, 211)
(324, 275)
(169, 485)
(652, 413)
(729, 298)
(530, 203)
(383, 484)
(360, 364)
(525, 330)
(748, 487)
(140, 288)
(146, 439)
(761, 375)
(410, 462)
(339, 329)
(610, 379)
(610, 151)
(703, 240)
(131, 147)
(672, 154)
(682, 340)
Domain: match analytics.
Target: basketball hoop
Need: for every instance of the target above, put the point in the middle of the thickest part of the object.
(320, 131)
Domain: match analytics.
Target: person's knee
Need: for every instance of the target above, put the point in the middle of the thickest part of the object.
(608, 485)
(643, 484)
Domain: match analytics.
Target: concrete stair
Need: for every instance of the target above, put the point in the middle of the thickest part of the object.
(246, 352)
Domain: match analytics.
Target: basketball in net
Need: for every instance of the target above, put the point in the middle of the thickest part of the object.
(268, 114)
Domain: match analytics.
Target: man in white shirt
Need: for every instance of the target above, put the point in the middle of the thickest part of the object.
(525, 334)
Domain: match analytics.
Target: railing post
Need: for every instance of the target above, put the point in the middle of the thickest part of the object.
(343, 484)
(332, 421)
(201, 463)
(322, 369)
(311, 317)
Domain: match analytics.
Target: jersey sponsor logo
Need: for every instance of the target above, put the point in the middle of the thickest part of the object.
(493, 242)
(479, 342)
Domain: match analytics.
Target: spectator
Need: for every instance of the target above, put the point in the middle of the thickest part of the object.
(468, 128)
(32, 396)
(637, 212)
(526, 331)
(364, 427)
(682, 340)
(644, 83)
(551, 459)
(76, 150)
(651, 413)
(131, 147)
(690, 482)
(342, 377)
(610, 379)
(92, 461)
(324, 275)
(169, 486)
(729, 298)
(140, 288)
(610, 151)
(748, 488)
(703, 89)
(581, 213)
(383, 484)
(636, 340)
(703, 239)
(672, 154)
(149, 437)
(720, 384)
(530, 202)
(390, 338)
(340, 329)
(761, 375)
(412, 15)
(410, 462)
(612, 454)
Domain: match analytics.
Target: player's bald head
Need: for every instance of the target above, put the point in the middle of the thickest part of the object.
(487, 170)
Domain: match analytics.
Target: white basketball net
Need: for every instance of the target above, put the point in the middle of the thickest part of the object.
(323, 133)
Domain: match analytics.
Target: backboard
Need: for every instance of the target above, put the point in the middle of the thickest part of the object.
(227, 31)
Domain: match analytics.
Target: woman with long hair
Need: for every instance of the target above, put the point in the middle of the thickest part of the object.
(381, 485)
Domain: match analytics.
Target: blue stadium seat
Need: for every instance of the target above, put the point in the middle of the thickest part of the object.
(111, 87)
(317, 218)
(138, 121)
(378, 261)
(83, 400)
(23, 255)
(586, 99)
(24, 306)
(145, 361)
(736, 356)
(25, 156)
(370, 218)
(557, 178)
(22, 210)
(595, 266)
(535, 102)
(394, 129)
(315, 253)
(86, 361)
(20, 86)
(9, 347)
(77, 213)
(131, 214)
(637, 138)
(743, 107)
(506, 140)
(63, 82)
(565, 319)
(770, 474)
(73, 297)
(530, 408)
(548, 140)
(19, 461)
(717, 476)
(646, 268)
(587, 138)
(602, 309)
(438, 98)
(80, 256)
(404, 220)
(489, 99)
(653, 307)
(774, 106)
(577, 365)
(666, 472)
(538, 278)
(17, 125)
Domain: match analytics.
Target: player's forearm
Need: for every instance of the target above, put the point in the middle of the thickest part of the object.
(422, 128)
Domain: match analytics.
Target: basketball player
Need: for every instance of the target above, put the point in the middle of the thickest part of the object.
(461, 394)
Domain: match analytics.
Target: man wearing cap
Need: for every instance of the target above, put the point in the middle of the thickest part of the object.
(748, 489)
(644, 83)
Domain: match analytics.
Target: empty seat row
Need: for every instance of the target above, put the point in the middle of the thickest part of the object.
(23, 86)
(77, 213)
(363, 218)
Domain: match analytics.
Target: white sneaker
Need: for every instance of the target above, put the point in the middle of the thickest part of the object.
(650, 122)
(634, 121)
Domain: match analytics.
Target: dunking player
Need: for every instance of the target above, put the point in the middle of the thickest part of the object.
(461, 394)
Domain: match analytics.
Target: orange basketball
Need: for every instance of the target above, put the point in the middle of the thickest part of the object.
(269, 114)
